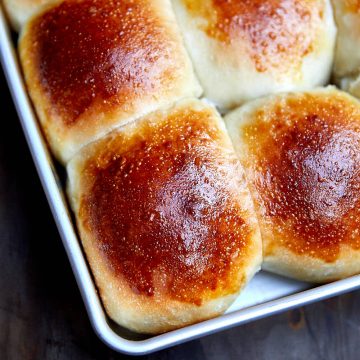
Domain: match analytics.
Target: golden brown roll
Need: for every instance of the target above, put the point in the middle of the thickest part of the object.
(165, 218)
(347, 55)
(93, 65)
(301, 154)
(249, 48)
(19, 11)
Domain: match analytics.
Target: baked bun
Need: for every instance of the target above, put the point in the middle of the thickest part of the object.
(245, 49)
(351, 85)
(93, 65)
(347, 55)
(19, 11)
(165, 218)
(301, 154)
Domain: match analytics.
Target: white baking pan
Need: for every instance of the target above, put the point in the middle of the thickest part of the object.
(265, 295)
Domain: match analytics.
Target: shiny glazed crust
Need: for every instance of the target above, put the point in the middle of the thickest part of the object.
(301, 154)
(166, 218)
(93, 65)
(242, 50)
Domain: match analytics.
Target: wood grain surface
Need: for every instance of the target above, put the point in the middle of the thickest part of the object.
(42, 315)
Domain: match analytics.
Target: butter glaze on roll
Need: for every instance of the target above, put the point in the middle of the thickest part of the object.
(91, 66)
(249, 48)
(301, 154)
(166, 218)
(19, 11)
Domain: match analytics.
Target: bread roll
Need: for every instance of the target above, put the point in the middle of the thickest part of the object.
(347, 55)
(351, 85)
(301, 154)
(165, 218)
(19, 11)
(245, 49)
(93, 65)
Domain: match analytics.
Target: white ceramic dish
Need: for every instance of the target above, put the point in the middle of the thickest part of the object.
(265, 295)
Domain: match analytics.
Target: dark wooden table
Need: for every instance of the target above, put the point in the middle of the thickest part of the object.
(42, 315)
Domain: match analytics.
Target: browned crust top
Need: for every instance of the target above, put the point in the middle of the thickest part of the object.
(307, 173)
(276, 32)
(100, 54)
